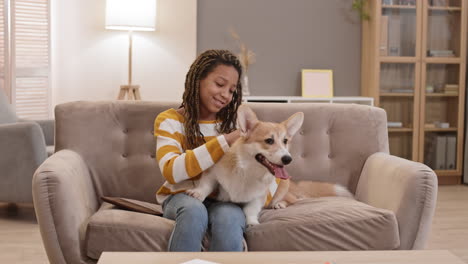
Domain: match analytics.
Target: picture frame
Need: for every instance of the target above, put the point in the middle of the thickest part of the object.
(317, 83)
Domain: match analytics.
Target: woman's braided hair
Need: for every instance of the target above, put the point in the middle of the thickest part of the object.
(201, 67)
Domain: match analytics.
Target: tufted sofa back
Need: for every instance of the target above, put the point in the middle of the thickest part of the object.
(115, 139)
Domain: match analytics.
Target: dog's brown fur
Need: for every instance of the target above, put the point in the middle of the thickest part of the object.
(290, 192)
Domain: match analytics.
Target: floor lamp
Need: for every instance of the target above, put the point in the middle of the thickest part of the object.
(130, 15)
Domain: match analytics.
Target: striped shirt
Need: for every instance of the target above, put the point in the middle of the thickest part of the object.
(181, 167)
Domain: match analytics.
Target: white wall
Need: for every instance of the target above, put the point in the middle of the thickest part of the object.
(90, 62)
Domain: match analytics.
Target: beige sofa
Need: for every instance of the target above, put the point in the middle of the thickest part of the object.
(108, 149)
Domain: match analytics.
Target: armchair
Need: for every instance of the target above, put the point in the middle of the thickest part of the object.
(23, 146)
(108, 149)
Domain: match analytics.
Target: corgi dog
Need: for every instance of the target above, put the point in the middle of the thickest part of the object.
(245, 173)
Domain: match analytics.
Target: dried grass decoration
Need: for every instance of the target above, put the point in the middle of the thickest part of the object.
(246, 58)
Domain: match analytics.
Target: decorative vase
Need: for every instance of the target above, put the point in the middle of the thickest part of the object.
(245, 86)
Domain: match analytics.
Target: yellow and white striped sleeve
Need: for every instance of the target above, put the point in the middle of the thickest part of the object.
(177, 165)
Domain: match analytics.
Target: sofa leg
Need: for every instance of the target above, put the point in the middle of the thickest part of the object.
(12, 208)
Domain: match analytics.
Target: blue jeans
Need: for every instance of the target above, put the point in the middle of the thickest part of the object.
(226, 222)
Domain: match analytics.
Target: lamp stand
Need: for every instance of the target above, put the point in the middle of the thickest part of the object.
(132, 91)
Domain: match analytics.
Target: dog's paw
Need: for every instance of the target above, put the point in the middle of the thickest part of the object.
(251, 221)
(280, 205)
(195, 194)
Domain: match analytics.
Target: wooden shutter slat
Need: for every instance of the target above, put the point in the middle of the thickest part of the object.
(2, 45)
(32, 60)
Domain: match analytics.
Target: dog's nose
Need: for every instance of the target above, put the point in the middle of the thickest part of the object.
(286, 159)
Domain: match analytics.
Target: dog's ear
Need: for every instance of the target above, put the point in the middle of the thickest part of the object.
(246, 120)
(293, 123)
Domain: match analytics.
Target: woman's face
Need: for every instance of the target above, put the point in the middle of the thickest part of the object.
(216, 90)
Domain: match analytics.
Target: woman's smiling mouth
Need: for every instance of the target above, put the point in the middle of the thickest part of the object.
(219, 103)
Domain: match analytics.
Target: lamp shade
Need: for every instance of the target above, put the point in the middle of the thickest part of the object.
(137, 15)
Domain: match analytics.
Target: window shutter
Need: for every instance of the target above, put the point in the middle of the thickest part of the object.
(31, 58)
(2, 47)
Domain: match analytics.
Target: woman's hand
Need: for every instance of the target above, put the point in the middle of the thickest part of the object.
(232, 137)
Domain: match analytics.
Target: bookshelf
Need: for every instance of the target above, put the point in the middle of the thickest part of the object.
(414, 66)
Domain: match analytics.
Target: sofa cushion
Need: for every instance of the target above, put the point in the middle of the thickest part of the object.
(324, 224)
(112, 229)
(329, 223)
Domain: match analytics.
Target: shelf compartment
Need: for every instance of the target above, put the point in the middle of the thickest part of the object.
(441, 109)
(443, 32)
(440, 150)
(454, 5)
(443, 79)
(397, 78)
(401, 144)
(399, 109)
(398, 31)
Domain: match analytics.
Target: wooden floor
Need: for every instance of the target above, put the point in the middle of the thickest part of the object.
(450, 225)
(20, 240)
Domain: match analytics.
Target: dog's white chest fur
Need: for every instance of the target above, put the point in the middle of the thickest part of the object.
(240, 180)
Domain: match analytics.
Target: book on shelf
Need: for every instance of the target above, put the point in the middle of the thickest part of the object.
(437, 124)
(383, 48)
(394, 124)
(442, 124)
(441, 153)
(401, 90)
(440, 53)
(408, 2)
(450, 158)
(451, 86)
(451, 89)
(394, 27)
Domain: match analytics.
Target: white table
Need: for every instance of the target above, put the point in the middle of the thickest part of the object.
(275, 257)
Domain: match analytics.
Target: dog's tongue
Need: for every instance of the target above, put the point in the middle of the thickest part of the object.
(281, 173)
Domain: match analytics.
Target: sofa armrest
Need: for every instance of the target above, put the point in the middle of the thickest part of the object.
(64, 199)
(48, 128)
(22, 151)
(407, 188)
